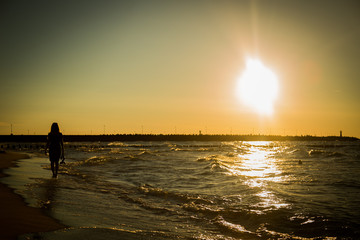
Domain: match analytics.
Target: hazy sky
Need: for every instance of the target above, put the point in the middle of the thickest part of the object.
(173, 66)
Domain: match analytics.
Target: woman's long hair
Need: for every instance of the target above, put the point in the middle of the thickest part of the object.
(55, 128)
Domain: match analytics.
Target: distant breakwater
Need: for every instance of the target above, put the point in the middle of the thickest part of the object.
(170, 137)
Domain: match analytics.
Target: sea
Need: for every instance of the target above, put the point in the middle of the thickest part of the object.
(196, 190)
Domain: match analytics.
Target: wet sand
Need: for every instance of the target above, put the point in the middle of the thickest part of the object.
(16, 217)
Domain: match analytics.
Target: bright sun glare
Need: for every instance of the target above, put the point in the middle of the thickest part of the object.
(258, 87)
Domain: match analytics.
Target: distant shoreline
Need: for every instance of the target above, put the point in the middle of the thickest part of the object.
(171, 137)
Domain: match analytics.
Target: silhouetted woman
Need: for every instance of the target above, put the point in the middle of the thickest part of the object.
(56, 147)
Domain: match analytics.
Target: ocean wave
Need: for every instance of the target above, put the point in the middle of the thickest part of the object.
(207, 211)
(325, 153)
(213, 162)
(143, 203)
(168, 195)
(316, 152)
(147, 153)
(92, 161)
(118, 144)
(232, 227)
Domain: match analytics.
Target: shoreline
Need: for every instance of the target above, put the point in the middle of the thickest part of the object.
(16, 217)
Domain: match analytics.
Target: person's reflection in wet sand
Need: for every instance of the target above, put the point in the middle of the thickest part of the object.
(48, 198)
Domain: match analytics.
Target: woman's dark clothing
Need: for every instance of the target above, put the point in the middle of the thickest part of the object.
(55, 142)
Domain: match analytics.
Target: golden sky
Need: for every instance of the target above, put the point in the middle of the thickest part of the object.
(174, 66)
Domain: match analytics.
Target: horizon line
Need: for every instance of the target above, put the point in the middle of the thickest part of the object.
(174, 137)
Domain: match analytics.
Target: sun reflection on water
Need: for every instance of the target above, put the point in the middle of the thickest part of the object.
(258, 168)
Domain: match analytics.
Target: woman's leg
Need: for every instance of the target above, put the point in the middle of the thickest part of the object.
(53, 167)
(54, 159)
(56, 167)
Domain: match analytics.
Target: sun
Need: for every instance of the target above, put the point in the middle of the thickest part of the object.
(258, 87)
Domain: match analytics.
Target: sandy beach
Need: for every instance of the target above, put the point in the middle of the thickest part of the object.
(16, 217)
